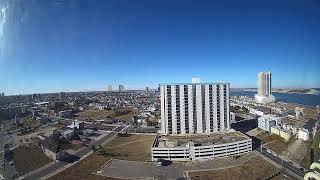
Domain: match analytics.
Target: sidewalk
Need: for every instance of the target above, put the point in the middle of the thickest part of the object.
(37, 170)
(65, 167)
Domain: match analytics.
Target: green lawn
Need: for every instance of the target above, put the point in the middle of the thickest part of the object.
(27, 159)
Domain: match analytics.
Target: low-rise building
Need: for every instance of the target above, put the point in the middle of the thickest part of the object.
(51, 149)
(303, 134)
(278, 130)
(267, 121)
(65, 132)
(68, 133)
(259, 110)
(299, 112)
(87, 132)
(293, 129)
(65, 114)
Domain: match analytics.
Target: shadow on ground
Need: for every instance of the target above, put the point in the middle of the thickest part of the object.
(245, 126)
(71, 158)
(166, 162)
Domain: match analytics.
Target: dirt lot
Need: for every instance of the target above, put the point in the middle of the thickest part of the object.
(274, 142)
(255, 168)
(83, 169)
(27, 159)
(135, 147)
(294, 150)
(124, 114)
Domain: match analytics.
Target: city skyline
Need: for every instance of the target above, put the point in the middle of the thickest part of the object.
(140, 44)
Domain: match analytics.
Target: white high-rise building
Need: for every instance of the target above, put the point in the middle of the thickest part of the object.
(189, 108)
(264, 95)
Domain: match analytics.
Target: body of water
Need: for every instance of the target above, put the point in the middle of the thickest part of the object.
(306, 99)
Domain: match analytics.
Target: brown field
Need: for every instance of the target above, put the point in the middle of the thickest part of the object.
(123, 114)
(255, 168)
(84, 169)
(274, 142)
(27, 159)
(133, 147)
(92, 114)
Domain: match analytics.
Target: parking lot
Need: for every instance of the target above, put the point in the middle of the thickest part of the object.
(144, 170)
(141, 170)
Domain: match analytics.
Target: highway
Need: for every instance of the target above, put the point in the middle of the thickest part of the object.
(60, 164)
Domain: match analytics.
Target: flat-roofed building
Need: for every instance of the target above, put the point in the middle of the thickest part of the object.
(200, 146)
(265, 122)
(189, 108)
(303, 134)
(278, 130)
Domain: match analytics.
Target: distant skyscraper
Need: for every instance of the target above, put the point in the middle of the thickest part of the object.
(189, 108)
(264, 95)
(2, 94)
(147, 89)
(34, 96)
(109, 88)
(62, 95)
(121, 88)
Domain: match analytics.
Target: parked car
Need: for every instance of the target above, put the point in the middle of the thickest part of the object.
(159, 162)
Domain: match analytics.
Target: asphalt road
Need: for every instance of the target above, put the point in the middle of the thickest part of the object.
(245, 126)
(288, 166)
(9, 171)
(79, 154)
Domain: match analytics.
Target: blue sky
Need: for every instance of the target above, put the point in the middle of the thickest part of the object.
(51, 46)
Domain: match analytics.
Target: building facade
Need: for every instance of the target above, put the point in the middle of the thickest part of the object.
(194, 108)
(201, 151)
(265, 122)
(264, 83)
(264, 95)
(278, 130)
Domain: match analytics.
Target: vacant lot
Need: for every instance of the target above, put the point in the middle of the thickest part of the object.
(123, 114)
(274, 142)
(135, 147)
(83, 169)
(294, 150)
(27, 159)
(255, 168)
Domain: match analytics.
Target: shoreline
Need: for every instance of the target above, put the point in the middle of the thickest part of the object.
(297, 104)
(308, 93)
(307, 100)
